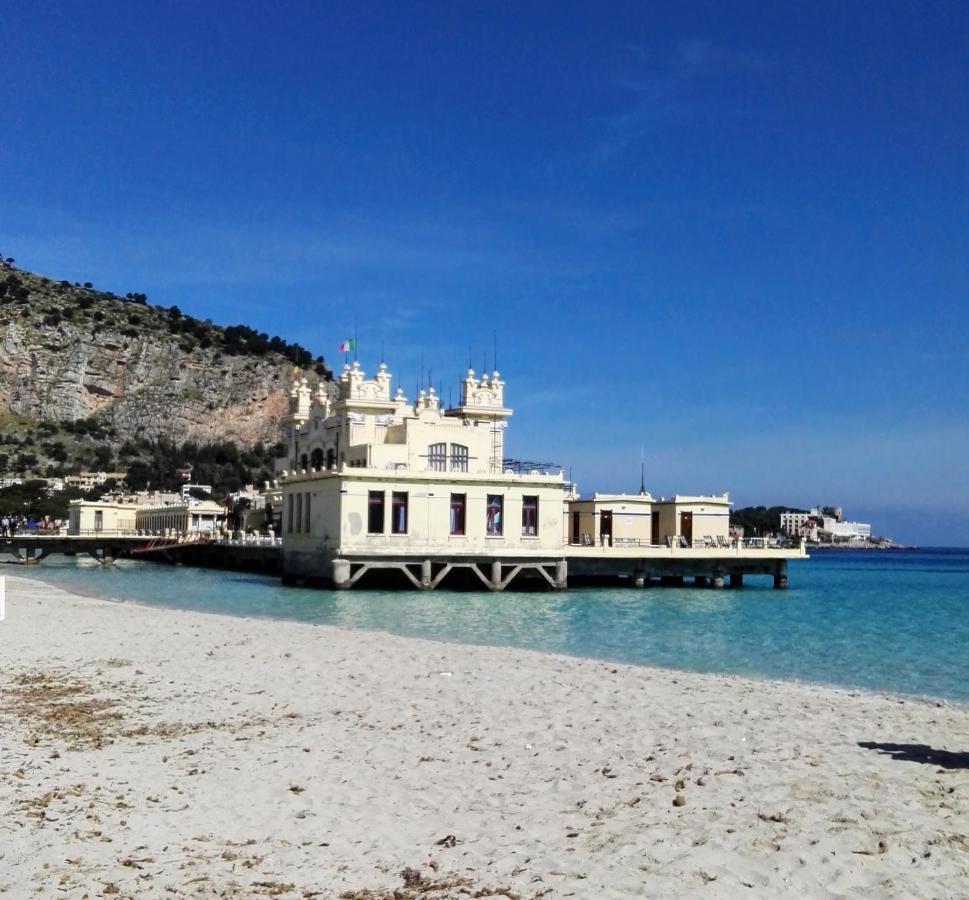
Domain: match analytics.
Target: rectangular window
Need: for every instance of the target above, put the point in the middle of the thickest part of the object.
(458, 507)
(289, 513)
(375, 513)
(494, 523)
(459, 458)
(398, 517)
(299, 513)
(530, 516)
(437, 457)
(306, 514)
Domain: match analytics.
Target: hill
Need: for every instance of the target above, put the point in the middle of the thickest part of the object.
(82, 368)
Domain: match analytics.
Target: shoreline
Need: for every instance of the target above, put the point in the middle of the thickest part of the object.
(752, 677)
(157, 752)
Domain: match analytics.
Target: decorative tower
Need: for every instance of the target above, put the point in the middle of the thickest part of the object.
(483, 404)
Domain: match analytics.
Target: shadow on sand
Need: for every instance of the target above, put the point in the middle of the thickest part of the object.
(921, 753)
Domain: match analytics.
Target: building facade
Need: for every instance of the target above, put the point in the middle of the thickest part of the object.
(376, 473)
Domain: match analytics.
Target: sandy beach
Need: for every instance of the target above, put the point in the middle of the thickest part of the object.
(157, 753)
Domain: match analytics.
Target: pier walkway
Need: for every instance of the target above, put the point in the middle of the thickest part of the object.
(713, 565)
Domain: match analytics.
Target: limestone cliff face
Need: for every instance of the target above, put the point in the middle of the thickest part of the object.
(66, 356)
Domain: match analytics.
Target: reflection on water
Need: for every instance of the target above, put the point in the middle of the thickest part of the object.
(879, 620)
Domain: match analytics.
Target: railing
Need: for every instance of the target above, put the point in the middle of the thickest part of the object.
(251, 540)
(677, 542)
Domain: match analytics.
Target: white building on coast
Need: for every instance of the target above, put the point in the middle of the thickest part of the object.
(370, 472)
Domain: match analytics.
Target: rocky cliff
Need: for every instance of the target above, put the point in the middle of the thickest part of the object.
(68, 352)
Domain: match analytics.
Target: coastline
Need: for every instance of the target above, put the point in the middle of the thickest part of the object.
(348, 757)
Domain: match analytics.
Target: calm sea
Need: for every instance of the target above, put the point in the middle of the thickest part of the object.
(892, 621)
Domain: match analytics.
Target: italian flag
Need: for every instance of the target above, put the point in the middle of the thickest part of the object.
(349, 345)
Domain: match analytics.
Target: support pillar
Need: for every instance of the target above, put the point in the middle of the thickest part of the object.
(426, 575)
(718, 580)
(736, 579)
(495, 575)
(561, 575)
(341, 573)
(780, 575)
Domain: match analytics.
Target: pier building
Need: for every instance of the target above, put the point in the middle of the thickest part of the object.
(376, 483)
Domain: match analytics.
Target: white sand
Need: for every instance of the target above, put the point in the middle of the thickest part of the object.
(250, 758)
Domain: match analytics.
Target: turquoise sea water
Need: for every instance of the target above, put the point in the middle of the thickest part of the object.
(892, 621)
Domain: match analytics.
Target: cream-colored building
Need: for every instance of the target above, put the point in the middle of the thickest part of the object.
(698, 520)
(113, 518)
(375, 481)
(87, 481)
(373, 472)
(610, 520)
(640, 520)
(90, 518)
(179, 518)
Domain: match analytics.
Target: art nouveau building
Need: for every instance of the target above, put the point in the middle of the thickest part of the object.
(370, 473)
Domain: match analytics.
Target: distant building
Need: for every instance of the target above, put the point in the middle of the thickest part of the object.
(88, 481)
(128, 516)
(824, 525)
(182, 518)
(99, 517)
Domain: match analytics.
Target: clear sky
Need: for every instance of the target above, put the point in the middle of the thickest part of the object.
(733, 234)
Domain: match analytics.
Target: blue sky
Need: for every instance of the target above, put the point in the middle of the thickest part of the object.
(734, 234)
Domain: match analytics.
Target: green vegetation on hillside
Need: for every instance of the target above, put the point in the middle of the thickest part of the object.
(55, 450)
(34, 297)
(31, 500)
(759, 520)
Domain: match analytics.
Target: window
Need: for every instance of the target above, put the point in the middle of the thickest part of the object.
(331, 458)
(375, 512)
(495, 518)
(316, 459)
(306, 514)
(459, 458)
(299, 513)
(289, 513)
(458, 506)
(98, 520)
(530, 516)
(398, 518)
(437, 457)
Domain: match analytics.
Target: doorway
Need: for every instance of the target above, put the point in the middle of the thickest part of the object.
(605, 527)
(654, 527)
(686, 525)
(576, 528)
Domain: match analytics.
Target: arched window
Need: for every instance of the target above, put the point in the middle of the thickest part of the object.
(437, 457)
(316, 459)
(304, 462)
(459, 458)
(331, 458)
